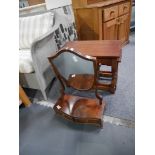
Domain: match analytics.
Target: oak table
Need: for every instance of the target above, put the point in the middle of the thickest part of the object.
(107, 52)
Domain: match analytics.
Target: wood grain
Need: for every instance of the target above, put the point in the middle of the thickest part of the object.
(123, 28)
(110, 30)
(110, 13)
(80, 109)
(103, 20)
(97, 48)
(124, 8)
(81, 81)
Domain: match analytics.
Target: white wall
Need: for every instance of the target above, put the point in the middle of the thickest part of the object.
(51, 4)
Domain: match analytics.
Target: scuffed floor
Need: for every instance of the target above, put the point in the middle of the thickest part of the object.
(42, 132)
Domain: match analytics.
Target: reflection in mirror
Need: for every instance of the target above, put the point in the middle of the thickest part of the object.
(75, 71)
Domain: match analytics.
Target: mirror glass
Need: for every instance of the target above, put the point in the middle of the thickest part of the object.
(77, 71)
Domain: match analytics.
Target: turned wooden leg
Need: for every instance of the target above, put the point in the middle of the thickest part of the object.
(24, 97)
(112, 90)
(101, 123)
(114, 75)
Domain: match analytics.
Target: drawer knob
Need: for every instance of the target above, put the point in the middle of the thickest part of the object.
(121, 21)
(124, 8)
(112, 13)
(118, 21)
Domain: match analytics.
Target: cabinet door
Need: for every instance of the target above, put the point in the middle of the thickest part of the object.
(110, 30)
(123, 29)
(87, 23)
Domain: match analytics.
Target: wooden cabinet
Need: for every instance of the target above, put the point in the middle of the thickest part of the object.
(82, 3)
(87, 30)
(117, 29)
(123, 33)
(102, 19)
(110, 30)
(110, 13)
(124, 8)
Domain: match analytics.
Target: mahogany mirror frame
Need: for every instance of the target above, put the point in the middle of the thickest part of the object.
(63, 82)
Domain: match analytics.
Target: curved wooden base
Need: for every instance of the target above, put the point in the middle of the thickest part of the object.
(85, 82)
(80, 109)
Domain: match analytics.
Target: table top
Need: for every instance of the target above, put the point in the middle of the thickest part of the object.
(97, 48)
(103, 3)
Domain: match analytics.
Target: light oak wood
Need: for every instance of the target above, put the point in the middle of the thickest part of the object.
(102, 3)
(88, 19)
(110, 30)
(35, 2)
(94, 1)
(110, 13)
(24, 98)
(123, 28)
(124, 8)
(82, 3)
(104, 20)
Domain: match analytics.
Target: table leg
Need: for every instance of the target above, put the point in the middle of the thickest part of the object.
(114, 75)
(24, 97)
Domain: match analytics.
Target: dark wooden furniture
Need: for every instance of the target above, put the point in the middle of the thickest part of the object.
(103, 19)
(107, 52)
(73, 107)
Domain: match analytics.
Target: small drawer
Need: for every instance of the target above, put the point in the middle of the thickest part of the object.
(110, 13)
(124, 8)
(104, 61)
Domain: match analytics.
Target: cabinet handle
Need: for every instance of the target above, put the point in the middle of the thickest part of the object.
(124, 8)
(112, 13)
(118, 21)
